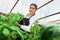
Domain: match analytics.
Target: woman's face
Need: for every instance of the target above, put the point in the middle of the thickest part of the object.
(32, 9)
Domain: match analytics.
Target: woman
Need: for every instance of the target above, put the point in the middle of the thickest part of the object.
(26, 23)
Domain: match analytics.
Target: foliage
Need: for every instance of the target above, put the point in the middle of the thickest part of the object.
(10, 31)
(8, 28)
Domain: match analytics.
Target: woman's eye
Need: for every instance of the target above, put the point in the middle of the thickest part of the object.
(33, 8)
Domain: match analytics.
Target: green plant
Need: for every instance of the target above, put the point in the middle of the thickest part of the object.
(10, 31)
(8, 28)
(13, 18)
(35, 32)
(51, 33)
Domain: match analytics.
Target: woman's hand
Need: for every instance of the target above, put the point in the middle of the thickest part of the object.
(18, 25)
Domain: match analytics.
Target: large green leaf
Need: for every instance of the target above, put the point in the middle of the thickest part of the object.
(50, 32)
(15, 17)
(8, 28)
(6, 32)
(15, 28)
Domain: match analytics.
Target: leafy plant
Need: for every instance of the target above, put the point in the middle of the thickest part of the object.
(35, 32)
(51, 33)
(8, 28)
(10, 31)
(43, 32)
(13, 18)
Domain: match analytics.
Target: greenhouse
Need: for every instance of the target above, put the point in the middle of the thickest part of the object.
(29, 20)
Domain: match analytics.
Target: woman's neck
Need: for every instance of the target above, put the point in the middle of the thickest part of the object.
(31, 14)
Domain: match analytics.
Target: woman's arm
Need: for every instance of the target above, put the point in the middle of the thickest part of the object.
(18, 25)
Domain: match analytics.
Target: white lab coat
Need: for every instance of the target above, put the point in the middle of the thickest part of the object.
(27, 28)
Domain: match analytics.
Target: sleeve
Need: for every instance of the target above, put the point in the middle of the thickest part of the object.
(26, 28)
(24, 21)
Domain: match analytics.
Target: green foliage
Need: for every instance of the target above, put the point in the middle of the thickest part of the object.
(13, 18)
(35, 32)
(8, 28)
(43, 32)
(51, 33)
(10, 31)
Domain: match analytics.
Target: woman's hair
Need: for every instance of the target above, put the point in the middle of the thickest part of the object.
(34, 5)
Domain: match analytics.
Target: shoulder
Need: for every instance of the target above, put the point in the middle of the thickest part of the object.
(33, 19)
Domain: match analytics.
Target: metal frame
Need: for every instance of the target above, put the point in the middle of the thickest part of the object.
(45, 4)
(49, 16)
(1, 13)
(4, 14)
(52, 22)
(14, 5)
(37, 9)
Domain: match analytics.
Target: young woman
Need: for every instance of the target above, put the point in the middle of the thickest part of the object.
(26, 23)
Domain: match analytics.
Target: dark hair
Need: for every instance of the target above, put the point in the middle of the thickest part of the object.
(34, 5)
